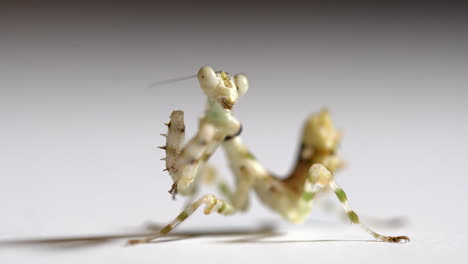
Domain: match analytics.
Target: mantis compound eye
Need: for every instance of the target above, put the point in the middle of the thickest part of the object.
(207, 79)
(242, 83)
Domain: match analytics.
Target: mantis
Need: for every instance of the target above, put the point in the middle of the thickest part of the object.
(291, 197)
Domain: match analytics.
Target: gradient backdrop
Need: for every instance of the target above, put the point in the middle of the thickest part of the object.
(79, 127)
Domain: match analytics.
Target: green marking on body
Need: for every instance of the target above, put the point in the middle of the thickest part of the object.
(166, 229)
(224, 75)
(353, 217)
(182, 216)
(205, 156)
(223, 188)
(307, 196)
(222, 208)
(249, 155)
(341, 195)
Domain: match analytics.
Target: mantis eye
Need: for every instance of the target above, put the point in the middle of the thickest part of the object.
(207, 78)
(242, 83)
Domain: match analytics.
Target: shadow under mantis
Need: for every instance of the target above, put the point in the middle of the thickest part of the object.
(256, 235)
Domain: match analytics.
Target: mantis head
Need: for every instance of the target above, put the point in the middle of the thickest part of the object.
(221, 87)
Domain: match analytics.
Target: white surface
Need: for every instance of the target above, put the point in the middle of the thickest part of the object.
(79, 132)
(320, 242)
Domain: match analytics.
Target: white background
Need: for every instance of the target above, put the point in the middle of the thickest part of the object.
(79, 131)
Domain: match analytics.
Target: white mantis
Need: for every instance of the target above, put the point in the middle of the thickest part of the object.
(291, 197)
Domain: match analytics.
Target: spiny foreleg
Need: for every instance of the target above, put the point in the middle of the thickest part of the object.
(212, 204)
(193, 155)
(175, 138)
(182, 162)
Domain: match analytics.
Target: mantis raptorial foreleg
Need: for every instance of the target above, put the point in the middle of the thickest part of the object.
(174, 140)
(183, 163)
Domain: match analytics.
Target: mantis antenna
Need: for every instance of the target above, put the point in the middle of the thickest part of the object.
(173, 80)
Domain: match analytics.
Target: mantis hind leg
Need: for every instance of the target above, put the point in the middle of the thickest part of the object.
(320, 177)
(330, 207)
